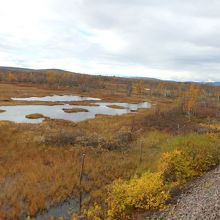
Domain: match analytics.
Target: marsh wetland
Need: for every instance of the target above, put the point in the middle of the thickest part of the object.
(18, 113)
(47, 128)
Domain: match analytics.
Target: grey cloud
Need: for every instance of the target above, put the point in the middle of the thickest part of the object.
(171, 35)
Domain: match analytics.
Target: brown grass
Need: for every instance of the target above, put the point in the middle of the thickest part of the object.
(116, 106)
(7, 91)
(35, 116)
(74, 110)
(40, 164)
(83, 103)
(35, 172)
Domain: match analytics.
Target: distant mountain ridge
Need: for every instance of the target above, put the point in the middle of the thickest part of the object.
(214, 83)
(19, 69)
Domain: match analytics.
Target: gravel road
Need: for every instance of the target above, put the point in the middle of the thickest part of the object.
(200, 201)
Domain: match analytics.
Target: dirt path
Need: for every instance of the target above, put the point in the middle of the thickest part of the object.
(201, 201)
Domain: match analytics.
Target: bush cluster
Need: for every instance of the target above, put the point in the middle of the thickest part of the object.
(183, 157)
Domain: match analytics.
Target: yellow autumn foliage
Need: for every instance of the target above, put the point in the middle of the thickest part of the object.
(183, 157)
(95, 212)
(176, 167)
(146, 192)
(188, 156)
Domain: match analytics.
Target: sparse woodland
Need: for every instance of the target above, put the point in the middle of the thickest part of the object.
(133, 162)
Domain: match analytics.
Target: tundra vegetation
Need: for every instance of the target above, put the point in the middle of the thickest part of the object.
(133, 162)
(35, 116)
(74, 110)
(116, 106)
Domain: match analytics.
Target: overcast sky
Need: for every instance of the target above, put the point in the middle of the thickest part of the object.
(167, 39)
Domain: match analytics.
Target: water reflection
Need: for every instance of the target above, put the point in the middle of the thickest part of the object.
(17, 113)
(57, 98)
